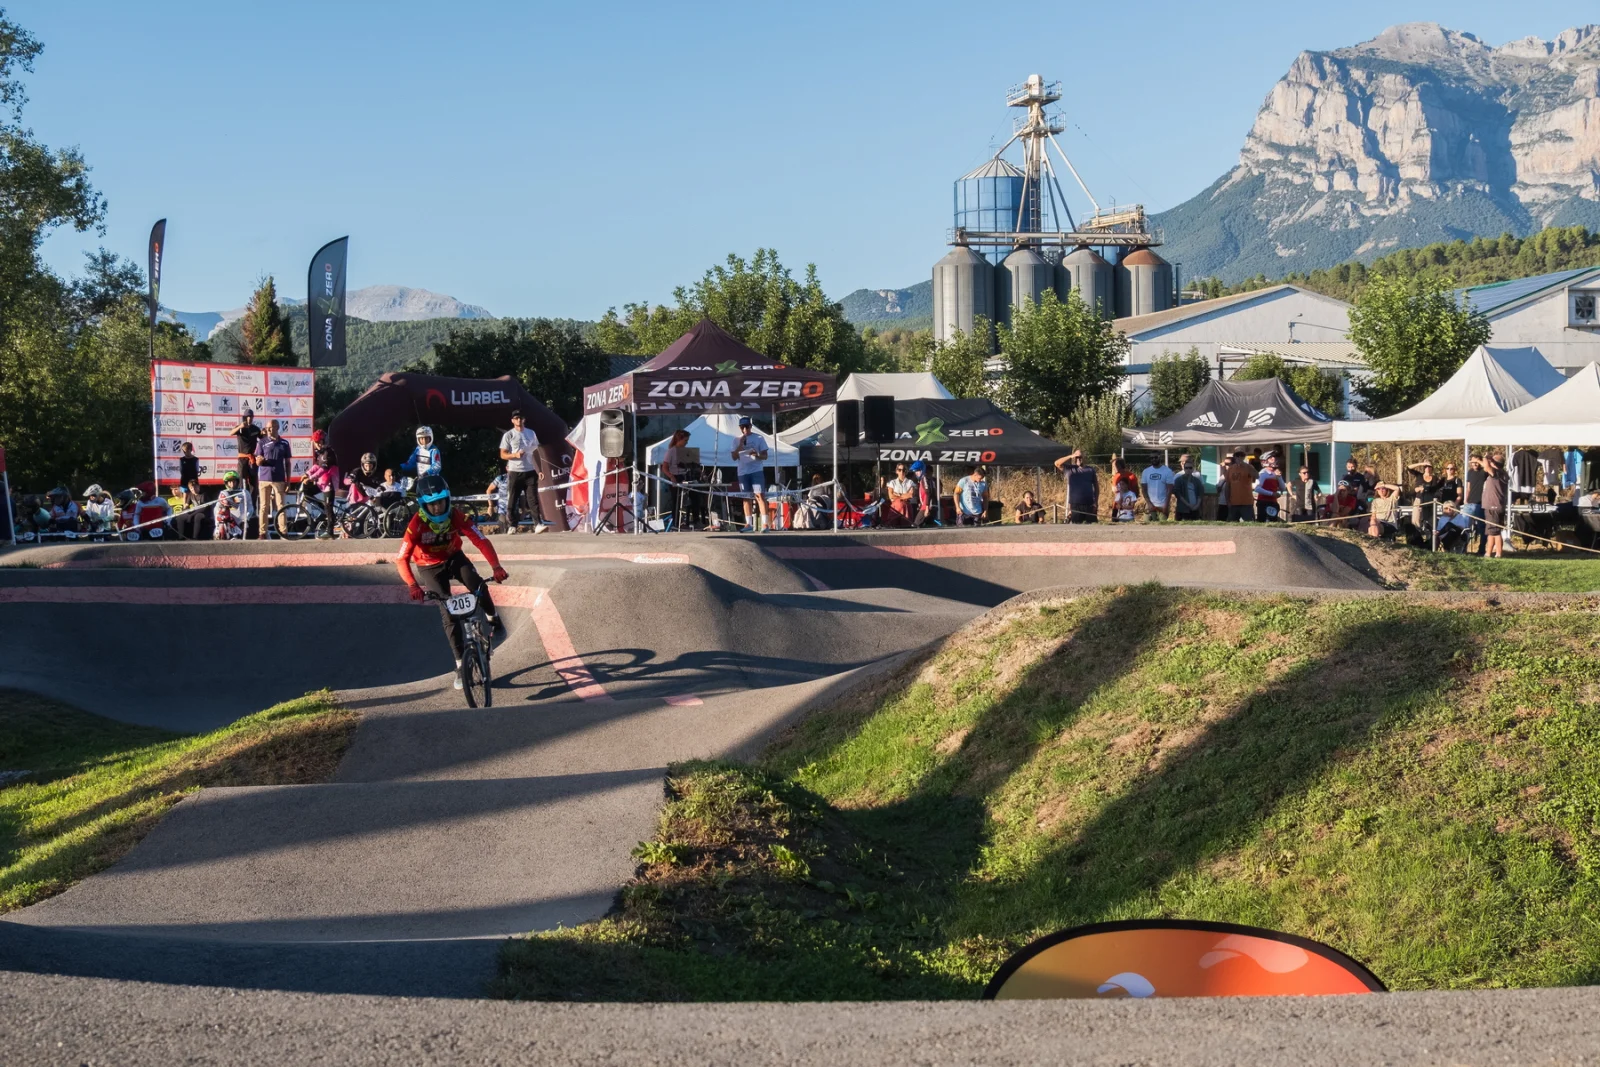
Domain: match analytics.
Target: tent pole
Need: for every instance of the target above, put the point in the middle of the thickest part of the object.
(834, 525)
(633, 472)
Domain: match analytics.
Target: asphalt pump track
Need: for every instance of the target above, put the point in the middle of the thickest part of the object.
(447, 829)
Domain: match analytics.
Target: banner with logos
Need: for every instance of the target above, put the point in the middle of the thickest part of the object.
(325, 303)
(158, 240)
(202, 403)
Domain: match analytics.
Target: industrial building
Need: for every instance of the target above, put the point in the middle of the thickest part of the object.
(1559, 313)
(1014, 235)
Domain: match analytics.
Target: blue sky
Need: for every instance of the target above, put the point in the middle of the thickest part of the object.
(558, 159)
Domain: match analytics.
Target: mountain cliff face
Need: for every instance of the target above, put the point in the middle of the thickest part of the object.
(375, 303)
(1421, 134)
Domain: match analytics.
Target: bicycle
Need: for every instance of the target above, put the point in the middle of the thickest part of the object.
(476, 645)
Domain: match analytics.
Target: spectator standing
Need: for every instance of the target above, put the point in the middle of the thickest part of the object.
(272, 477)
(1083, 488)
(1188, 491)
(1239, 478)
(247, 434)
(1305, 497)
(672, 473)
(750, 457)
(1473, 508)
(1156, 481)
(924, 506)
(972, 499)
(1269, 487)
(518, 447)
(1028, 509)
(1124, 490)
(1449, 491)
(1496, 500)
(189, 475)
(902, 490)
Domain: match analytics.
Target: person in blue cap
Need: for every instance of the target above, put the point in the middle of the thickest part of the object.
(922, 511)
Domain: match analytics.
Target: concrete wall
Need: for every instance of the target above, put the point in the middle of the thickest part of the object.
(1543, 323)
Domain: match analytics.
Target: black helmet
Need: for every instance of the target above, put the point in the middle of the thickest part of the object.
(433, 500)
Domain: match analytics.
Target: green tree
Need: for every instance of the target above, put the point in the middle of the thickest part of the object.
(958, 363)
(1175, 380)
(1057, 353)
(1414, 334)
(552, 360)
(264, 332)
(1322, 389)
(1095, 425)
(758, 302)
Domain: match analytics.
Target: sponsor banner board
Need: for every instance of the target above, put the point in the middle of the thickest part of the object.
(201, 403)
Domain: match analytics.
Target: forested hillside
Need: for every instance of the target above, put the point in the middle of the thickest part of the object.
(1480, 261)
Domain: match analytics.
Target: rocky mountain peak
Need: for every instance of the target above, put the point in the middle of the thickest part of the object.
(1423, 133)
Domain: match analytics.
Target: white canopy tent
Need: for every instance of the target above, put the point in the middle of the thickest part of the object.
(715, 435)
(1491, 382)
(920, 385)
(1567, 415)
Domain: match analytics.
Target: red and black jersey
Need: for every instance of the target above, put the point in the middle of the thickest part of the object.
(430, 549)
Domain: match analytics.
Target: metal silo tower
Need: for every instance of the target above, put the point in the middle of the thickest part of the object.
(1020, 221)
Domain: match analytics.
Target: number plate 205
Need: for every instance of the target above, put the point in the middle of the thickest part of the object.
(461, 604)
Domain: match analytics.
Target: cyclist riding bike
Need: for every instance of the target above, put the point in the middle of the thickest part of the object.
(433, 539)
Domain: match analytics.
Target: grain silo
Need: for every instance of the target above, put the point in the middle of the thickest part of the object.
(1025, 275)
(963, 289)
(1087, 271)
(1144, 283)
(989, 200)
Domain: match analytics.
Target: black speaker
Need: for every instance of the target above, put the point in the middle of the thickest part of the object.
(847, 423)
(613, 433)
(877, 419)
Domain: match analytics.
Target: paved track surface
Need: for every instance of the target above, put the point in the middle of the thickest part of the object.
(57, 1021)
(447, 829)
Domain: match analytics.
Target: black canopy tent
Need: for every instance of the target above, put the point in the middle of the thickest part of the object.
(948, 431)
(1237, 413)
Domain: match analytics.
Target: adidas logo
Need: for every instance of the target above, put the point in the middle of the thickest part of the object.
(1208, 419)
(1260, 417)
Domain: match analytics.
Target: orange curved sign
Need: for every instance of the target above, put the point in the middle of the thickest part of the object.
(1175, 958)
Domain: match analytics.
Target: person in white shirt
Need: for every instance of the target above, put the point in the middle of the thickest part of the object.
(517, 446)
(1157, 482)
(750, 453)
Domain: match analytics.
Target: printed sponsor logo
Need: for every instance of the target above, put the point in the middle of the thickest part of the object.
(478, 397)
(754, 389)
(931, 432)
(947, 455)
(1209, 419)
(1260, 417)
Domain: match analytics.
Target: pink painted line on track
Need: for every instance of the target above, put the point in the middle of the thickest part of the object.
(979, 549)
(683, 700)
(562, 652)
(249, 560)
(206, 597)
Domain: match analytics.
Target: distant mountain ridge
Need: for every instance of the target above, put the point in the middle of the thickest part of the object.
(1421, 134)
(910, 308)
(375, 303)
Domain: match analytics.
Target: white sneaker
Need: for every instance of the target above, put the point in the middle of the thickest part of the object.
(540, 527)
(458, 675)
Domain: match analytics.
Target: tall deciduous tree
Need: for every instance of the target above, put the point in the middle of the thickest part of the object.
(1175, 380)
(958, 363)
(760, 303)
(1413, 334)
(1057, 353)
(264, 333)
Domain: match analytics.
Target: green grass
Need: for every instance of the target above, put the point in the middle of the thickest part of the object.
(94, 787)
(1543, 572)
(1416, 785)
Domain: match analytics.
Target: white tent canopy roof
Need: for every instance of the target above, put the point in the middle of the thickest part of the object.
(919, 385)
(1567, 415)
(1492, 381)
(715, 436)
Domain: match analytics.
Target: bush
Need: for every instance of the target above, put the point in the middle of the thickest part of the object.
(1095, 425)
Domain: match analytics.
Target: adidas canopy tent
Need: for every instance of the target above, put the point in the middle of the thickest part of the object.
(1491, 382)
(1237, 413)
(942, 432)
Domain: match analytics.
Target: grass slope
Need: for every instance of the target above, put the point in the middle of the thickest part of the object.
(1399, 566)
(91, 788)
(1417, 785)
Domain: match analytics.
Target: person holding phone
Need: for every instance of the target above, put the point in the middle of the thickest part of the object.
(517, 448)
(750, 455)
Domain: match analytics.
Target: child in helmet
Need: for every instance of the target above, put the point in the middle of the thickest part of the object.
(63, 512)
(366, 481)
(98, 510)
(424, 459)
(233, 510)
(433, 540)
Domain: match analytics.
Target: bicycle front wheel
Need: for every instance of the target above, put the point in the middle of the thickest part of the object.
(481, 677)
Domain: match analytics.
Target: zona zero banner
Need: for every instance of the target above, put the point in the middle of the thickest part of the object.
(325, 292)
